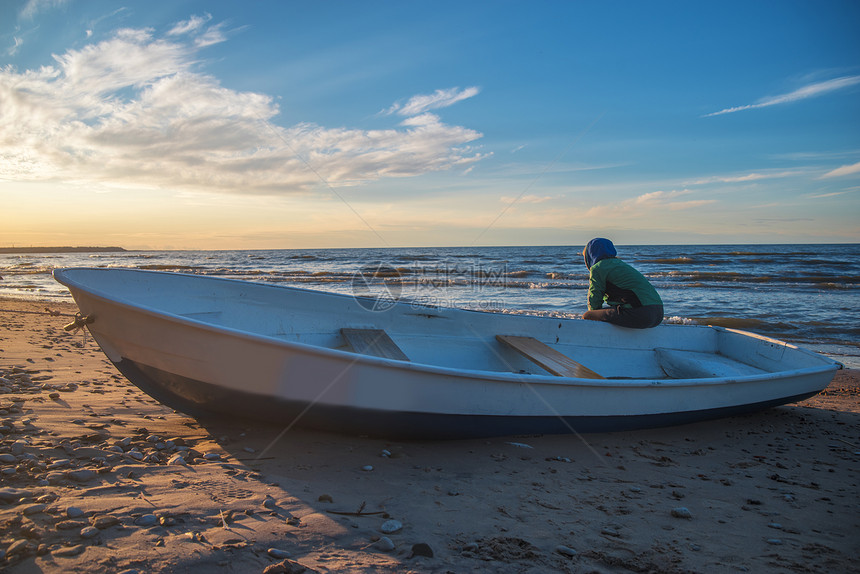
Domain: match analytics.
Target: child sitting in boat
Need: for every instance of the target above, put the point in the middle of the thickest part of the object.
(633, 301)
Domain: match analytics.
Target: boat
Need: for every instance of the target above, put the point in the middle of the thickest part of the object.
(375, 366)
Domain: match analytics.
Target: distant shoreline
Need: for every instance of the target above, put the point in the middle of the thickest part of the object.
(64, 249)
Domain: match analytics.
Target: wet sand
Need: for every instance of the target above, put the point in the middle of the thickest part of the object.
(95, 476)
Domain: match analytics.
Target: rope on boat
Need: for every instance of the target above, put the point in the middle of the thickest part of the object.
(80, 322)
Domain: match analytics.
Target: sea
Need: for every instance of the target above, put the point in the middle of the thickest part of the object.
(802, 294)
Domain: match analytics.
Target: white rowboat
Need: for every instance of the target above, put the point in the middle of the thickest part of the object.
(205, 345)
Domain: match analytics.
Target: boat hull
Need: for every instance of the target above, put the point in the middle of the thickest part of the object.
(204, 400)
(170, 335)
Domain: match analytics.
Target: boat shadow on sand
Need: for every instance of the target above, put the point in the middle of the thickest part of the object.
(623, 498)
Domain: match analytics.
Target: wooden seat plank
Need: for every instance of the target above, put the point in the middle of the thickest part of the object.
(374, 342)
(548, 358)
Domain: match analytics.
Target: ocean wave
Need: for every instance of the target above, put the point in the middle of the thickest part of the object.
(546, 285)
(667, 260)
(534, 312)
(419, 257)
(171, 267)
(831, 330)
(520, 274)
(676, 320)
(10, 271)
(701, 275)
(755, 253)
(835, 286)
(461, 256)
(787, 276)
(749, 258)
(23, 287)
(378, 271)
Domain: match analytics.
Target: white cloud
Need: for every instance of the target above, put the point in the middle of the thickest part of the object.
(754, 176)
(527, 199)
(809, 91)
(196, 26)
(133, 111)
(212, 35)
(842, 171)
(13, 49)
(648, 202)
(835, 193)
(439, 99)
(193, 24)
(659, 196)
(35, 7)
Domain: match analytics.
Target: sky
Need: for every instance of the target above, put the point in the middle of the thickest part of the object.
(182, 124)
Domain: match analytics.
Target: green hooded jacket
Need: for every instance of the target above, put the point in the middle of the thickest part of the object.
(614, 281)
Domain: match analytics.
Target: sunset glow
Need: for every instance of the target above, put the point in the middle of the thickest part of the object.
(300, 124)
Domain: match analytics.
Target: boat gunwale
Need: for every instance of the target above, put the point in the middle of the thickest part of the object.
(765, 338)
(481, 375)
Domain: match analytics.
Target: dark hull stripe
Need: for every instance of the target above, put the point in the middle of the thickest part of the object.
(201, 399)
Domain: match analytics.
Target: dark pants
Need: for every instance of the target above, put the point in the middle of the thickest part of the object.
(638, 318)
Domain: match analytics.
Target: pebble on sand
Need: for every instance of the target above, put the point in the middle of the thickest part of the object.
(146, 520)
(422, 549)
(135, 454)
(385, 544)
(177, 459)
(682, 512)
(18, 547)
(565, 550)
(105, 521)
(69, 550)
(81, 475)
(70, 525)
(89, 532)
(288, 567)
(34, 509)
(12, 494)
(391, 526)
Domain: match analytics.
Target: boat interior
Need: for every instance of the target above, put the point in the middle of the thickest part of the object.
(457, 338)
(522, 344)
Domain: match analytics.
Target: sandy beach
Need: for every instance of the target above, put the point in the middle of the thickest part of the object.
(95, 476)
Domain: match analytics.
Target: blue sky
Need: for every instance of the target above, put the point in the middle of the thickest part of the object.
(185, 124)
